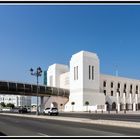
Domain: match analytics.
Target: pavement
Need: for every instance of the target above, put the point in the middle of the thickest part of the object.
(112, 112)
(82, 120)
(122, 112)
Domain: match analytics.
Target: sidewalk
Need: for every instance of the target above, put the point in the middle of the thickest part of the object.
(106, 112)
(122, 112)
(81, 120)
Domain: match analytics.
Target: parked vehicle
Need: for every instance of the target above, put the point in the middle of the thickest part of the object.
(28, 109)
(15, 110)
(22, 110)
(51, 111)
(6, 109)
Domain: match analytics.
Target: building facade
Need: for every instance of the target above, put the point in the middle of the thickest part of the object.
(90, 90)
(122, 93)
(17, 100)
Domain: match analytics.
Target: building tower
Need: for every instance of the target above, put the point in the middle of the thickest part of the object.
(53, 74)
(85, 83)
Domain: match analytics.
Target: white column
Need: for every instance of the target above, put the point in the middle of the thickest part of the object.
(124, 99)
(134, 106)
(118, 104)
(130, 98)
(105, 107)
(136, 99)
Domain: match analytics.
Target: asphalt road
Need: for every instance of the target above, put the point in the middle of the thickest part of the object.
(20, 126)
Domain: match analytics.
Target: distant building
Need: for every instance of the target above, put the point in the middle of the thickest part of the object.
(86, 84)
(17, 100)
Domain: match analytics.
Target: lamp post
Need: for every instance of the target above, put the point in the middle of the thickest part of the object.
(37, 73)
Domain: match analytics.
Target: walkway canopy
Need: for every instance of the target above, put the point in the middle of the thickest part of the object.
(26, 89)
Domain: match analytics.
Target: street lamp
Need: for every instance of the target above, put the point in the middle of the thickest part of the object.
(37, 73)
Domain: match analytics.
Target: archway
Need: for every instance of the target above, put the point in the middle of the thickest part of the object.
(113, 106)
(107, 106)
(129, 106)
(138, 106)
(122, 106)
(54, 104)
(126, 106)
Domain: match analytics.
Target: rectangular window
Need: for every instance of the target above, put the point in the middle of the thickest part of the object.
(111, 84)
(111, 93)
(74, 73)
(104, 83)
(118, 85)
(105, 92)
(77, 72)
(92, 72)
(124, 86)
(89, 71)
(136, 87)
(131, 88)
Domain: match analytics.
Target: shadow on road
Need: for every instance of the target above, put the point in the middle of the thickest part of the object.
(2, 134)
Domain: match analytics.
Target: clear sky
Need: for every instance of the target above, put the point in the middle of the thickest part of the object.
(35, 35)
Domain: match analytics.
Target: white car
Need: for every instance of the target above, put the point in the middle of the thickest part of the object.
(51, 111)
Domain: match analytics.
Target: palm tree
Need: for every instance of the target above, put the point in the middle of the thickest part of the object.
(2, 104)
(87, 103)
(10, 105)
(72, 103)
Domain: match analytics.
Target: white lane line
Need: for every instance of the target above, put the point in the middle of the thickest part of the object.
(42, 134)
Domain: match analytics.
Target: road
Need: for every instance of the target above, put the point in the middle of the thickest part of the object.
(20, 126)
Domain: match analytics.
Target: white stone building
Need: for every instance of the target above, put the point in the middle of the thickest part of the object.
(86, 84)
(121, 93)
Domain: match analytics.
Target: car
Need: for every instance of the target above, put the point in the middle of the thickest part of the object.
(15, 110)
(22, 110)
(28, 109)
(51, 111)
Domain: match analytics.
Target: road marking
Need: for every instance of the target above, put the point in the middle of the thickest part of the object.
(42, 134)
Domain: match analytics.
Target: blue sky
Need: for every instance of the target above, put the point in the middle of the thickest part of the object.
(35, 35)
